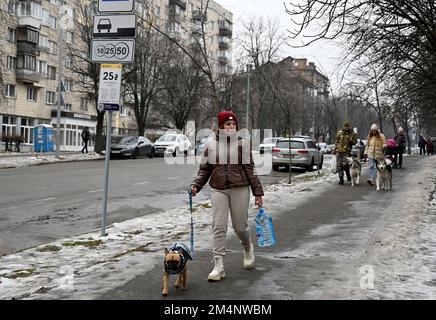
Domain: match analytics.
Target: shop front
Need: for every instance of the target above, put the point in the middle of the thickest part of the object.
(72, 125)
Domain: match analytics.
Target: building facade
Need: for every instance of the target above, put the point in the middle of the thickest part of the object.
(30, 45)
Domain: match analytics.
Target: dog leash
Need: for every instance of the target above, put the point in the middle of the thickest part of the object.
(192, 224)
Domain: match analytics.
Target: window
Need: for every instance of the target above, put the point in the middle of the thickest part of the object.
(10, 90)
(12, 35)
(26, 62)
(84, 103)
(32, 36)
(8, 126)
(50, 97)
(52, 22)
(11, 63)
(68, 85)
(32, 94)
(53, 47)
(68, 61)
(45, 17)
(29, 8)
(44, 42)
(42, 67)
(68, 107)
(27, 130)
(69, 37)
(51, 72)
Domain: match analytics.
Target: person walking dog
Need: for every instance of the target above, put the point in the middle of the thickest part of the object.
(228, 165)
(375, 147)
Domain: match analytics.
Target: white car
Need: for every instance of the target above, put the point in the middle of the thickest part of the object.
(268, 144)
(172, 144)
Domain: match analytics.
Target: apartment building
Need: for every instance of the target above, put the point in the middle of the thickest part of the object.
(30, 45)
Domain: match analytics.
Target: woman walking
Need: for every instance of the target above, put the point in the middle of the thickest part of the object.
(228, 164)
(375, 147)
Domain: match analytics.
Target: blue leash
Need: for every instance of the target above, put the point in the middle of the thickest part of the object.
(192, 225)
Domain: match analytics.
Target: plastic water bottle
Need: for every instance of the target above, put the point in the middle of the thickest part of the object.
(264, 229)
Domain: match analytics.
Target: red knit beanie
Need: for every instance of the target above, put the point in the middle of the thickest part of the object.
(226, 115)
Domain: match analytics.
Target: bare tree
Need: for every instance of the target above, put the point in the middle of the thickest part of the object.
(143, 77)
(195, 45)
(399, 37)
(259, 44)
(184, 86)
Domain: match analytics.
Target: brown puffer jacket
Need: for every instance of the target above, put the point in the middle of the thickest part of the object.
(228, 163)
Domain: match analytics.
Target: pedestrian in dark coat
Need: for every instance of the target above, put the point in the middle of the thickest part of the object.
(400, 139)
(421, 145)
(85, 139)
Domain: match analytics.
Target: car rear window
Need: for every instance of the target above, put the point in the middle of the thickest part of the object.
(294, 145)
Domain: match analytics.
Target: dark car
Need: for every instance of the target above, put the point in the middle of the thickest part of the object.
(132, 147)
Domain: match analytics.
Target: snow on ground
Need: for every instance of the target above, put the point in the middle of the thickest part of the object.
(13, 160)
(86, 266)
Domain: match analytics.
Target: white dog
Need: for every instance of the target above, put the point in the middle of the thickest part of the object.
(384, 174)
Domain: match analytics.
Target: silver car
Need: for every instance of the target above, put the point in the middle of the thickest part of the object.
(304, 153)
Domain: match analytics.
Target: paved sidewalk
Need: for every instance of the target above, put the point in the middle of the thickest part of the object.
(13, 160)
(324, 243)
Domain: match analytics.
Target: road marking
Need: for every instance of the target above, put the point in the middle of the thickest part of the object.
(174, 178)
(46, 199)
(94, 191)
(140, 183)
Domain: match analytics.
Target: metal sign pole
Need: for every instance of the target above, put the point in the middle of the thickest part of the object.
(106, 172)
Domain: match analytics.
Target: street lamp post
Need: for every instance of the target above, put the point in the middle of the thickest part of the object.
(249, 66)
(58, 109)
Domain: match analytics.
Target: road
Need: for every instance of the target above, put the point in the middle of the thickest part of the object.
(39, 204)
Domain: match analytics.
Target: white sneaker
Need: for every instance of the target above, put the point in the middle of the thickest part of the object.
(249, 257)
(218, 272)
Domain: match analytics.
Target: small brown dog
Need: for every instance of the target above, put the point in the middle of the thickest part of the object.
(175, 263)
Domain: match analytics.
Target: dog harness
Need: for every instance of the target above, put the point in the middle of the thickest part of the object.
(185, 254)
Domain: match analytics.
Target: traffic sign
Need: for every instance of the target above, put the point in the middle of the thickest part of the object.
(115, 26)
(113, 50)
(110, 87)
(115, 5)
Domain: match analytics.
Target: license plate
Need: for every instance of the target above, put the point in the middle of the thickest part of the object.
(286, 156)
(116, 151)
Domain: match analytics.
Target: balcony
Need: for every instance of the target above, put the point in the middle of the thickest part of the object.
(223, 60)
(223, 45)
(29, 21)
(181, 4)
(28, 48)
(174, 15)
(198, 15)
(27, 76)
(225, 31)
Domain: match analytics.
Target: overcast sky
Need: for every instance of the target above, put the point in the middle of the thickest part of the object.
(325, 55)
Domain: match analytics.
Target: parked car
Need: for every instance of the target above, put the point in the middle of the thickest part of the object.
(268, 144)
(133, 147)
(304, 153)
(199, 148)
(172, 144)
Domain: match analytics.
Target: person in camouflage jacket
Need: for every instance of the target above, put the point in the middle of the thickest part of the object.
(345, 139)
